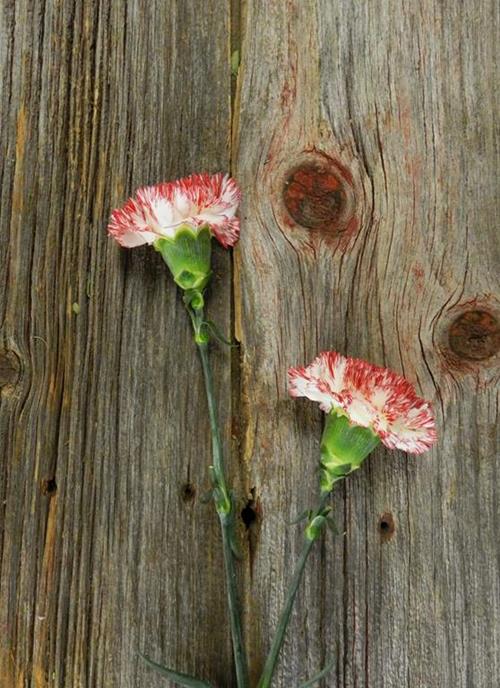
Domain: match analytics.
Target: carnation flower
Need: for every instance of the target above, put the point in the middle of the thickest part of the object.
(200, 200)
(179, 219)
(369, 396)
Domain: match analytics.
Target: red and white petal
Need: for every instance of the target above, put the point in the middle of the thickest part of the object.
(129, 225)
(217, 203)
(159, 210)
(359, 410)
(228, 233)
(413, 432)
(301, 385)
(321, 381)
(370, 396)
(131, 239)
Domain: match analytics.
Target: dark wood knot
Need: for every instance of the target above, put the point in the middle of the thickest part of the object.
(475, 335)
(10, 367)
(318, 195)
(386, 526)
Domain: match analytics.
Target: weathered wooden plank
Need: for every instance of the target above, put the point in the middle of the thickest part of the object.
(394, 100)
(106, 548)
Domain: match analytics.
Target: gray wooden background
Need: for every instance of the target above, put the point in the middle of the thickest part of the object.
(106, 548)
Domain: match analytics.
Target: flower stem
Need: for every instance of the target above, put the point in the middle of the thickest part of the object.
(279, 636)
(224, 505)
(217, 456)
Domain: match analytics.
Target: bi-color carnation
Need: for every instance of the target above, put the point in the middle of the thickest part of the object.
(200, 200)
(370, 396)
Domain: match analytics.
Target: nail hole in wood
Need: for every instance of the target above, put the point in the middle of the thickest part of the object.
(49, 486)
(249, 511)
(386, 526)
(248, 515)
(188, 492)
(475, 335)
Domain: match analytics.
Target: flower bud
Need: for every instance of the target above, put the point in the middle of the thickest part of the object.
(187, 255)
(344, 447)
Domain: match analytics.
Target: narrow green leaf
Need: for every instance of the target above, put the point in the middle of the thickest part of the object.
(175, 676)
(301, 517)
(213, 475)
(332, 527)
(214, 330)
(233, 542)
(324, 672)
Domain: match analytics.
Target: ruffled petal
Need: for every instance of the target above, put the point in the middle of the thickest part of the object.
(198, 200)
(370, 396)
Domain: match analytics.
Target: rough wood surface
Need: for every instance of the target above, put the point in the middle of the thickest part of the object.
(398, 96)
(106, 551)
(105, 546)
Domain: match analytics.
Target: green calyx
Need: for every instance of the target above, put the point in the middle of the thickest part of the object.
(315, 527)
(187, 255)
(344, 447)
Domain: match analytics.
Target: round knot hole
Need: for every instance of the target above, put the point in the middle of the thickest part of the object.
(317, 196)
(475, 335)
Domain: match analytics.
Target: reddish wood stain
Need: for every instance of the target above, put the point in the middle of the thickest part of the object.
(419, 275)
(317, 196)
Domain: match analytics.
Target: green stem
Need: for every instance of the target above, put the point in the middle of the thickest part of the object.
(240, 658)
(279, 636)
(224, 506)
(217, 456)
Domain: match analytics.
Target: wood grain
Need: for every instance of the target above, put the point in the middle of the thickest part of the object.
(396, 98)
(105, 547)
(105, 551)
